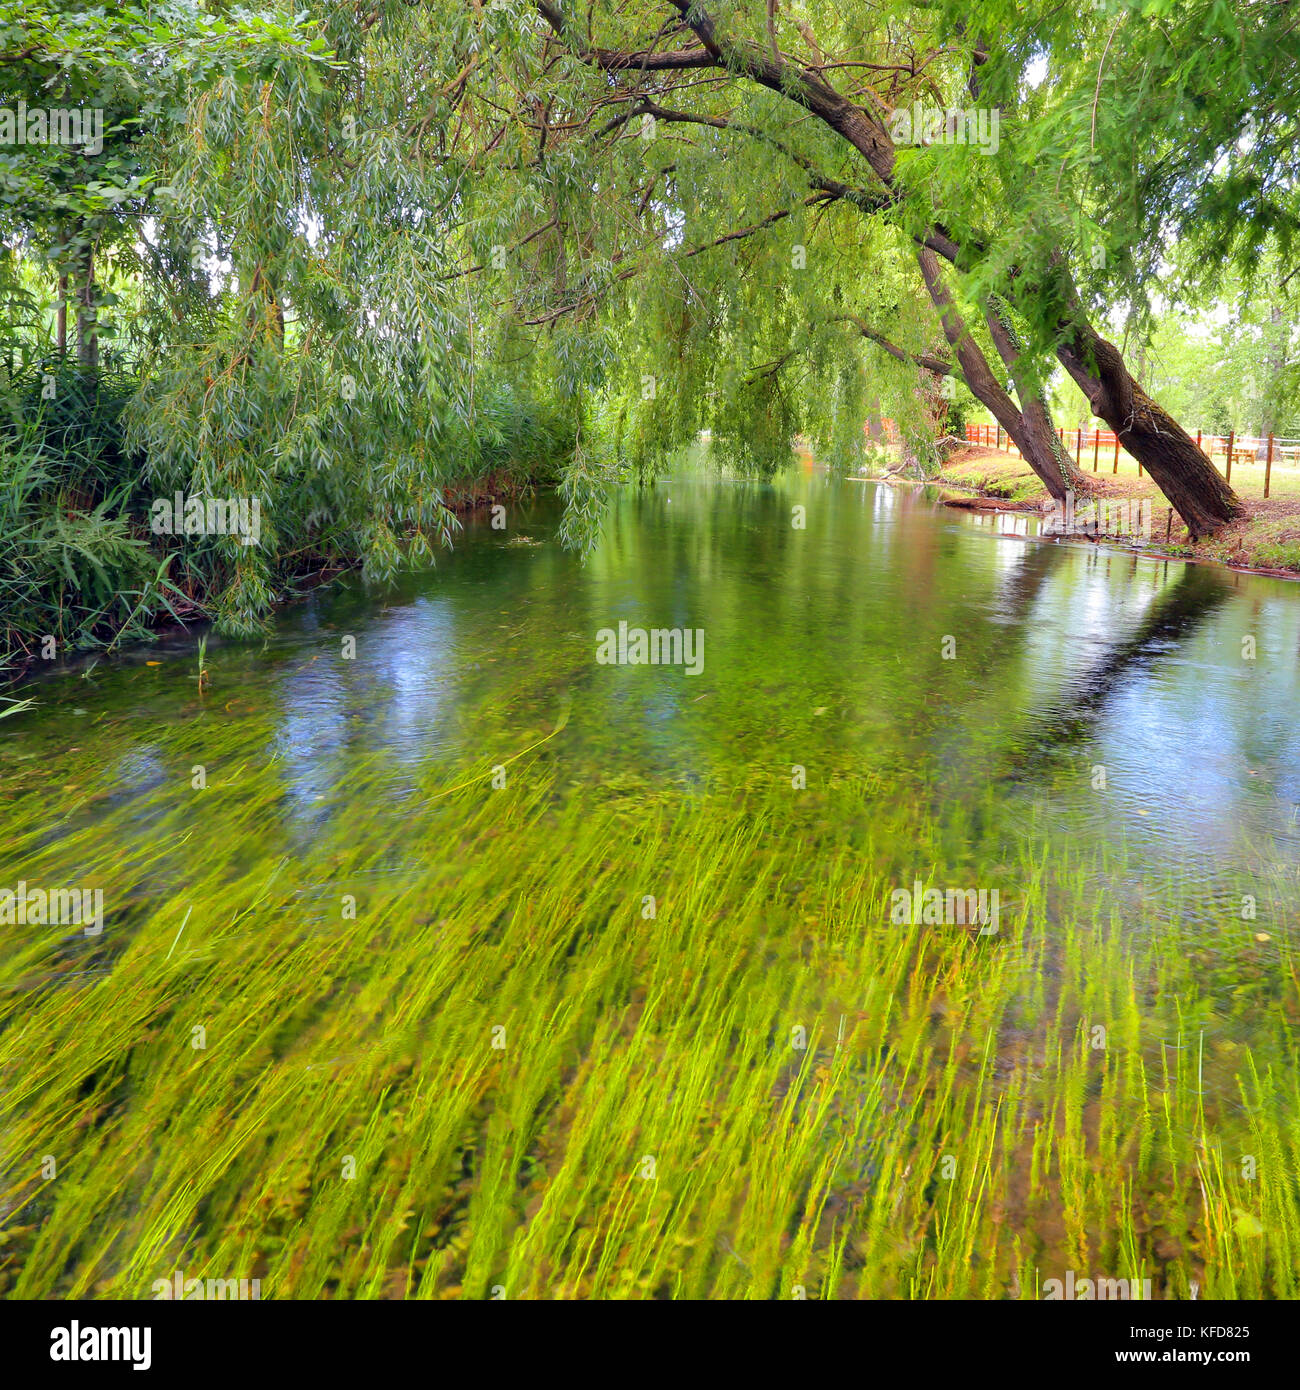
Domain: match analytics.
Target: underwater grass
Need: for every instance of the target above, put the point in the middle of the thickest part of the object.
(504, 1078)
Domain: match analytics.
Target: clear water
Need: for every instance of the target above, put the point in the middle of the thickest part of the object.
(823, 647)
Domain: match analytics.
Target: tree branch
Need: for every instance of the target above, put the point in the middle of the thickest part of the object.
(620, 60)
(936, 365)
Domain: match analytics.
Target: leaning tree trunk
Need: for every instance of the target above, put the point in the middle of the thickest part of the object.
(1033, 404)
(1195, 488)
(987, 389)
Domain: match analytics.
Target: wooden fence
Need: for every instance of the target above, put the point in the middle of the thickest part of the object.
(1105, 444)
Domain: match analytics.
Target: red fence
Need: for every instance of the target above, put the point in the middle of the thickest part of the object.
(1105, 444)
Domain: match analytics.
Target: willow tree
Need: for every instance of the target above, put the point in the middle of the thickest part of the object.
(302, 341)
(368, 220)
(299, 345)
(87, 94)
(723, 248)
(773, 112)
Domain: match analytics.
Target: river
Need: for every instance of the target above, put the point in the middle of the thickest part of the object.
(408, 818)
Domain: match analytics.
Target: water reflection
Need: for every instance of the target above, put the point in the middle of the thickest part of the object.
(1164, 620)
(824, 648)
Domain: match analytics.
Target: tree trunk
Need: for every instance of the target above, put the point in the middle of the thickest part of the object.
(1194, 487)
(87, 314)
(61, 312)
(987, 389)
(1033, 407)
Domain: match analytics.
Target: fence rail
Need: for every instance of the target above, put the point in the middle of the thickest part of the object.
(1231, 447)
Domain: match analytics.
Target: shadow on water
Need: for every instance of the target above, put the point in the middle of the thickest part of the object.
(1171, 619)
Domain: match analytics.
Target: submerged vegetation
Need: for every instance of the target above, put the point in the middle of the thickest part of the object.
(448, 946)
(467, 970)
(503, 1073)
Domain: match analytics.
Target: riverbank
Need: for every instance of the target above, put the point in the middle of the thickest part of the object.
(109, 537)
(166, 609)
(1265, 541)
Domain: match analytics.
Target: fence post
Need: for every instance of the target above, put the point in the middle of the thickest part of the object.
(1198, 441)
(1078, 447)
(1268, 465)
(1116, 467)
(1096, 444)
(1232, 434)
(999, 434)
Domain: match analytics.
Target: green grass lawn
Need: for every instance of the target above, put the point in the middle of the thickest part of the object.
(1247, 478)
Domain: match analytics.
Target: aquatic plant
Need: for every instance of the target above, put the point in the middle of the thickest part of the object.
(635, 1040)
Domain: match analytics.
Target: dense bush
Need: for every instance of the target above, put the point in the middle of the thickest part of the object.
(79, 562)
(73, 566)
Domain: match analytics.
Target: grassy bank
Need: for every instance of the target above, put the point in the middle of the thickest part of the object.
(1266, 539)
(504, 1074)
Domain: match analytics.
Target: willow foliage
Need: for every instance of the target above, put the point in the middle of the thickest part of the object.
(385, 247)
